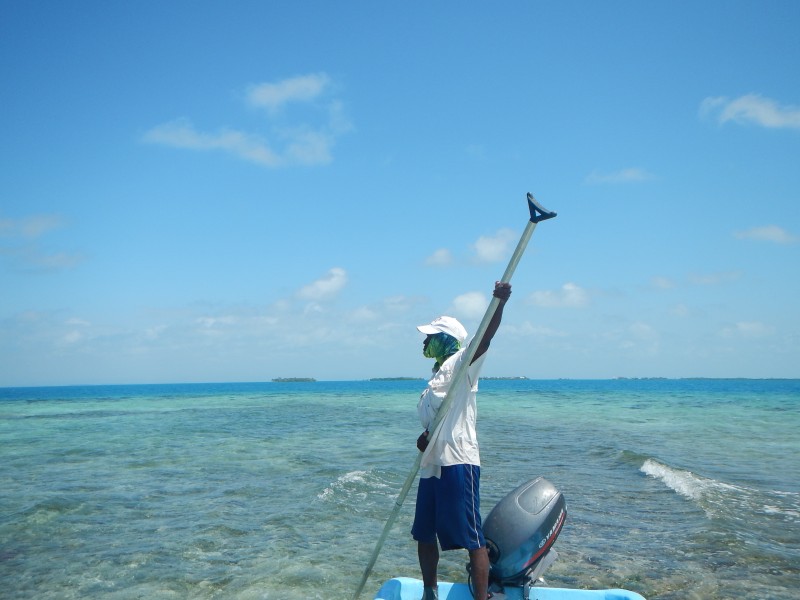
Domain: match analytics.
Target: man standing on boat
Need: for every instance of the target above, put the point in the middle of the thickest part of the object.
(448, 497)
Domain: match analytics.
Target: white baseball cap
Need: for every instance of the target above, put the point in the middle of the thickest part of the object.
(447, 325)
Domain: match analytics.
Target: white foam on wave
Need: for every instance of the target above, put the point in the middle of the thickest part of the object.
(342, 481)
(786, 504)
(777, 510)
(720, 499)
(355, 484)
(685, 483)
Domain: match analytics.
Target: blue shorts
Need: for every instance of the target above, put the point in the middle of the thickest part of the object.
(449, 508)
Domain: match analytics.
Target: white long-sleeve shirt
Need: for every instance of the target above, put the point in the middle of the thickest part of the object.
(456, 440)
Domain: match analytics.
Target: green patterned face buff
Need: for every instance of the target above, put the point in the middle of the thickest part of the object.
(441, 347)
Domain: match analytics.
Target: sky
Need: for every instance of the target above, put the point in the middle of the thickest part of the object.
(206, 191)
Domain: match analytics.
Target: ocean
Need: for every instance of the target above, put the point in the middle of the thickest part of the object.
(674, 488)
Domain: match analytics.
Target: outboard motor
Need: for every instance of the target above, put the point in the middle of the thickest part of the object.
(520, 533)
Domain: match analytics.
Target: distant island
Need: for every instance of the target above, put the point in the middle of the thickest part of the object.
(705, 378)
(292, 379)
(517, 378)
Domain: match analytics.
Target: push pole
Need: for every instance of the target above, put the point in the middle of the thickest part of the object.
(537, 214)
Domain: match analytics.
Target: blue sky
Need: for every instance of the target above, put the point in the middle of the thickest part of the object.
(207, 191)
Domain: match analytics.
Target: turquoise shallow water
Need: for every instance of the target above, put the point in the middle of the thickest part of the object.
(675, 488)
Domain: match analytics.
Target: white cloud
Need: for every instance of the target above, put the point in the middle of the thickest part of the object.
(152, 334)
(635, 340)
(471, 305)
(325, 287)
(715, 278)
(273, 96)
(309, 148)
(486, 249)
(303, 142)
(20, 244)
(751, 108)
(182, 134)
(364, 314)
(747, 329)
(569, 296)
(629, 175)
(642, 331)
(31, 227)
(78, 322)
(680, 310)
(662, 283)
(57, 261)
(494, 248)
(338, 121)
(767, 233)
(644, 337)
(72, 337)
(76, 333)
(527, 329)
(441, 258)
(312, 308)
(397, 304)
(211, 322)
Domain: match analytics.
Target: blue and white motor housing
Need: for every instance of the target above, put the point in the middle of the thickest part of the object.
(521, 530)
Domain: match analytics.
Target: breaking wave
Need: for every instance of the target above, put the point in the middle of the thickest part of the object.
(358, 487)
(724, 500)
(344, 484)
(685, 483)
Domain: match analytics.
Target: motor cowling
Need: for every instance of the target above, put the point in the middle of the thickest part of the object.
(522, 528)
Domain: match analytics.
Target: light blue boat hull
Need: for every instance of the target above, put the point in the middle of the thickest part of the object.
(405, 588)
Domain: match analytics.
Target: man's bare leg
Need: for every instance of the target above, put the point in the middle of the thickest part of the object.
(479, 568)
(428, 563)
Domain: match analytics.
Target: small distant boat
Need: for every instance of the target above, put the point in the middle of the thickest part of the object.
(520, 533)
